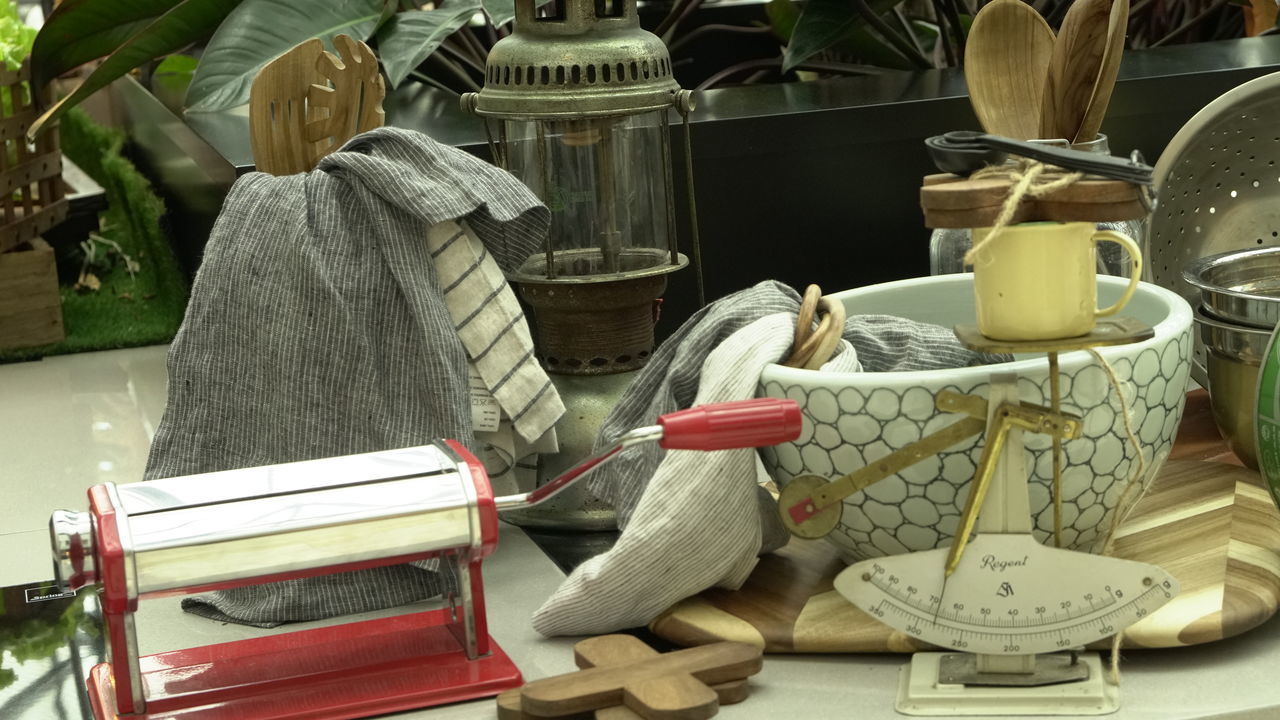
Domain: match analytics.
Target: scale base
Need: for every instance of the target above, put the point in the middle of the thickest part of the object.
(963, 669)
(920, 693)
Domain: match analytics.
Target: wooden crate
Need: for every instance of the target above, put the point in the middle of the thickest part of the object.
(30, 306)
(32, 196)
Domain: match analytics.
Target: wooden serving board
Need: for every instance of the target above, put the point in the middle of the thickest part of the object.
(1212, 525)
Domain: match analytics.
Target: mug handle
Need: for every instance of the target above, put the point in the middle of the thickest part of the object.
(1135, 272)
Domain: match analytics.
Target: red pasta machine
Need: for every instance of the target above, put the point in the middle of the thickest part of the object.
(244, 527)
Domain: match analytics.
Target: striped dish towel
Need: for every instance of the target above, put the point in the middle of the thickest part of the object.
(493, 330)
(704, 517)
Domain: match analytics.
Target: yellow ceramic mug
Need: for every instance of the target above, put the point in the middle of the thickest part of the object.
(1038, 281)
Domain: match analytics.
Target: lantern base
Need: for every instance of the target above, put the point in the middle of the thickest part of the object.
(593, 265)
(594, 327)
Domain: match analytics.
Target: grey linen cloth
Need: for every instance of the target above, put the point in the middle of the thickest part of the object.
(317, 327)
(693, 520)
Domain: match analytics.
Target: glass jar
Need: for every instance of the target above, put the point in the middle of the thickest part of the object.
(948, 246)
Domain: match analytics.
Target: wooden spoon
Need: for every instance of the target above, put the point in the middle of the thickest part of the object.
(1106, 82)
(1074, 68)
(1006, 60)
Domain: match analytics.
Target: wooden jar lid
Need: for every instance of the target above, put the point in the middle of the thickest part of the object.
(952, 201)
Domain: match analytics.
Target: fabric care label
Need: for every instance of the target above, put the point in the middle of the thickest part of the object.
(486, 413)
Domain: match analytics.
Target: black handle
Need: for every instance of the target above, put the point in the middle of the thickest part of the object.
(964, 152)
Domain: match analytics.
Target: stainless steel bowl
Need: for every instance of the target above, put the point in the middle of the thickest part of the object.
(1240, 287)
(1233, 357)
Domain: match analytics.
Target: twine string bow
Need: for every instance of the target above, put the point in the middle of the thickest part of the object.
(1029, 179)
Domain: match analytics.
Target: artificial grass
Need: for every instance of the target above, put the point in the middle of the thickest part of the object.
(145, 308)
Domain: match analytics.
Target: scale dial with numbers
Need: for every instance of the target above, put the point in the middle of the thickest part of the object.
(1010, 595)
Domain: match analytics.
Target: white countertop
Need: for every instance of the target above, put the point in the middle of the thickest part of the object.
(70, 422)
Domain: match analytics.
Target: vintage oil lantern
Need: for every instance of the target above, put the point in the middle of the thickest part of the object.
(576, 104)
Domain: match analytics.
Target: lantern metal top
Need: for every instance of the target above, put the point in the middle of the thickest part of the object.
(590, 58)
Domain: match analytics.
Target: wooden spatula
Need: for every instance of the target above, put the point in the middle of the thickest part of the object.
(1074, 67)
(1117, 26)
(307, 102)
(1005, 63)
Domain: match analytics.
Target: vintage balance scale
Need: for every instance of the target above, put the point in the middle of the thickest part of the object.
(1015, 613)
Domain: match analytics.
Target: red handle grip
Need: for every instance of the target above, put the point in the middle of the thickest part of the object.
(741, 424)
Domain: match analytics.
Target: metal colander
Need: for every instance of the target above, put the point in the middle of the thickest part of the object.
(1219, 187)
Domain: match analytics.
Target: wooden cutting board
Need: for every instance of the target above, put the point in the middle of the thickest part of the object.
(1212, 525)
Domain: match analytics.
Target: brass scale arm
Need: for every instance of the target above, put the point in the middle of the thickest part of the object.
(811, 507)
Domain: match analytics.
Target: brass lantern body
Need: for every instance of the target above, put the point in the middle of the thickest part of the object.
(576, 102)
(576, 105)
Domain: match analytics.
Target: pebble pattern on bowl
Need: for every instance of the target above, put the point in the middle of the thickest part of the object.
(919, 508)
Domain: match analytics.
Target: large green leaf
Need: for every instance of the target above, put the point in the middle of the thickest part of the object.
(502, 11)
(185, 23)
(858, 41)
(821, 24)
(783, 16)
(258, 31)
(82, 30)
(409, 37)
(836, 25)
(171, 78)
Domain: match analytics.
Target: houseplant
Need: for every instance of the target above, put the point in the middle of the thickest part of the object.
(451, 36)
(449, 39)
(777, 165)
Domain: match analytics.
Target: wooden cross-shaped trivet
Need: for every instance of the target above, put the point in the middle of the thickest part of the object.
(623, 679)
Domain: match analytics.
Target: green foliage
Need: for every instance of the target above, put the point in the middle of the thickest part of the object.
(832, 36)
(501, 12)
(37, 638)
(77, 32)
(171, 78)
(15, 45)
(88, 27)
(15, 37)
(409, 37)
(243, 35)
(143, 307)
(832, 25)
(176, 65)
(257, 31)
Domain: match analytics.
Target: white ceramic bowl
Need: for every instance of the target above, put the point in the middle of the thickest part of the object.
(852, 419)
